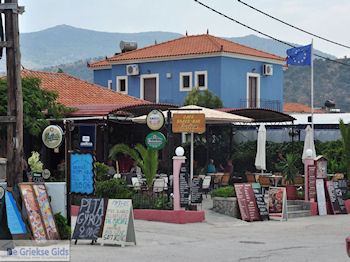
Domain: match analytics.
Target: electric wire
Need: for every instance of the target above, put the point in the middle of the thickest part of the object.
(264, 34)
(295, 27)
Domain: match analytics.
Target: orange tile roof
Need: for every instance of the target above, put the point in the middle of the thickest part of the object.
(299, 108)
(188, 45)
(74, 91)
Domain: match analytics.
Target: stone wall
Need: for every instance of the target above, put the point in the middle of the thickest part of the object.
(226, 205)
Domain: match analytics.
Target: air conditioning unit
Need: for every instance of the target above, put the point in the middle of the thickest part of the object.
(132, 70)
(267, 70)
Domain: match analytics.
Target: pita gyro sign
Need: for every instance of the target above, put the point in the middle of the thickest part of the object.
(52, 136)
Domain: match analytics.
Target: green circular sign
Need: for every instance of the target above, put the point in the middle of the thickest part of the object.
(155, 140)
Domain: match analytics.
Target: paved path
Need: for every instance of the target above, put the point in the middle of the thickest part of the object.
(221, 238)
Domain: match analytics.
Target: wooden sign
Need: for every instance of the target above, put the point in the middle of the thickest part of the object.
(33, 212)
(188, 123)
(90, 218)
(335, 208)
(15, 220)
(311, 173)
(246, 202)
(340, 199)
(82, 173)
(277, 203)
(118, 226)
(184, 187)
(321, 197)
(46, 212)
(196, 190)
(260, 202)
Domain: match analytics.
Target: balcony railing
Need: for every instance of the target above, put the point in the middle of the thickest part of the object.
(263, 103)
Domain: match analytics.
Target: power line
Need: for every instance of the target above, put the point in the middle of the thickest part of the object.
(295, 27)
(259, 32)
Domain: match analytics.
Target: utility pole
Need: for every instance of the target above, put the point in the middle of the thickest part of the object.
(14, 118)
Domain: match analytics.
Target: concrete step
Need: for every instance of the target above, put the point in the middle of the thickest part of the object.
(299, 213)
(294, 208)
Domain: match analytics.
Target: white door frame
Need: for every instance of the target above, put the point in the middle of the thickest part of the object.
(142, 77)
(257, 88)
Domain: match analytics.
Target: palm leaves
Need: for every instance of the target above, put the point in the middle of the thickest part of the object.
(147, 159)
(345, 133)
(288, 168)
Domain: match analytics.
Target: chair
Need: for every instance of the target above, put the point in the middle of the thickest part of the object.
(135, 182)
(158, 185)
(206, 185)
(264, 182)
(225, 180)
(250, 177)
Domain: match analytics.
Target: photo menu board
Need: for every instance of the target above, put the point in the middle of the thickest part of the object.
(342, 185)
(340, 199)
(335, 208)
(246, 202)
(277, 203)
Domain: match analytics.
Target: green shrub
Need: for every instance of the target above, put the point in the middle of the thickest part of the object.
(149, 200)
(101, 171)
(63, 229)
(227, 191)
(113, 188)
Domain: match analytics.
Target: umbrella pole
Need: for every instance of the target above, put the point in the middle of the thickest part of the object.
(192, 153)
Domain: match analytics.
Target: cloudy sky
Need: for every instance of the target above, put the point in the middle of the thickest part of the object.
(327, 18)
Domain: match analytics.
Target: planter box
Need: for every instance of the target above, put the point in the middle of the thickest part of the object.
(226, 205)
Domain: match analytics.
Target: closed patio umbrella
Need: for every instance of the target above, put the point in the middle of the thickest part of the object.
(260, 160)
(309, 143)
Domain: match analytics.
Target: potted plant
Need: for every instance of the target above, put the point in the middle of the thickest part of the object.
(36, 166)
(289, 171)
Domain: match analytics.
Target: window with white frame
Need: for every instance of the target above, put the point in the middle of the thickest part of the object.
(185, 81)
(109, 84)
(201, 79)
(122, 84)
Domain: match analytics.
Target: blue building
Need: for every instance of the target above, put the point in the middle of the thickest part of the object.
(241, 76)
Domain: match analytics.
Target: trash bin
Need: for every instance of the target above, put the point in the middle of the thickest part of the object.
(3, 162)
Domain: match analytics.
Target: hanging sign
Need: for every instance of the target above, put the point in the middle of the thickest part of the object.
(260, 202)
(155, 120)
(90, 218)
(321, 197)
(118, 226)
(155, 140)
(188, 123)
(277, 203)
(246, 202)
(52, 136)
(87, 136)
(82, 173)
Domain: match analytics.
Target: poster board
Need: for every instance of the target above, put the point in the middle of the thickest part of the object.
(90, 218)
(260, 202)
(246, 202)
(311, 173)
(321, 197)
(82, 167)
(277, 203)
(33, 212)
(196, 190)
(335, 208)
(15, 220)
(184, 187)
(118, 228)
(340, 199)
(46, 211)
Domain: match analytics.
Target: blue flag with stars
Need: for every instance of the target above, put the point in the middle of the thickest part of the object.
(299, 55)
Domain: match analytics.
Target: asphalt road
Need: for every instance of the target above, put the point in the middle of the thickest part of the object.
(221, 238)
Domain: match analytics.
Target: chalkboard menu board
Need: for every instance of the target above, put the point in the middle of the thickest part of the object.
(311, 173)
(82, 173)
(260, 202)
(246, 202)
(90, 218)
(335, 208)
(340, 199)
(321, 197)
(118, 226)
(196, 190)
(342, 185)
(184, 188)
(15, 220)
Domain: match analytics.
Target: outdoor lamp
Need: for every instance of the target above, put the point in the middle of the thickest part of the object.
(179, 151)
(308, 153)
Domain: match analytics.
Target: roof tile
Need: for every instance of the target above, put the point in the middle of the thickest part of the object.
(299, 108)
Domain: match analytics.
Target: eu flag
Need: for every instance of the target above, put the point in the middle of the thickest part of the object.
(299, 55)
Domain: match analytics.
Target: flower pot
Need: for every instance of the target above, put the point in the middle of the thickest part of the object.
(291, 192)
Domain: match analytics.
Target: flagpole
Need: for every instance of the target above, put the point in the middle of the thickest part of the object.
(312, 88)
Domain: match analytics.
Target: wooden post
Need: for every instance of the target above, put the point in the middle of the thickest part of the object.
(14, 169)
(67, 167)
